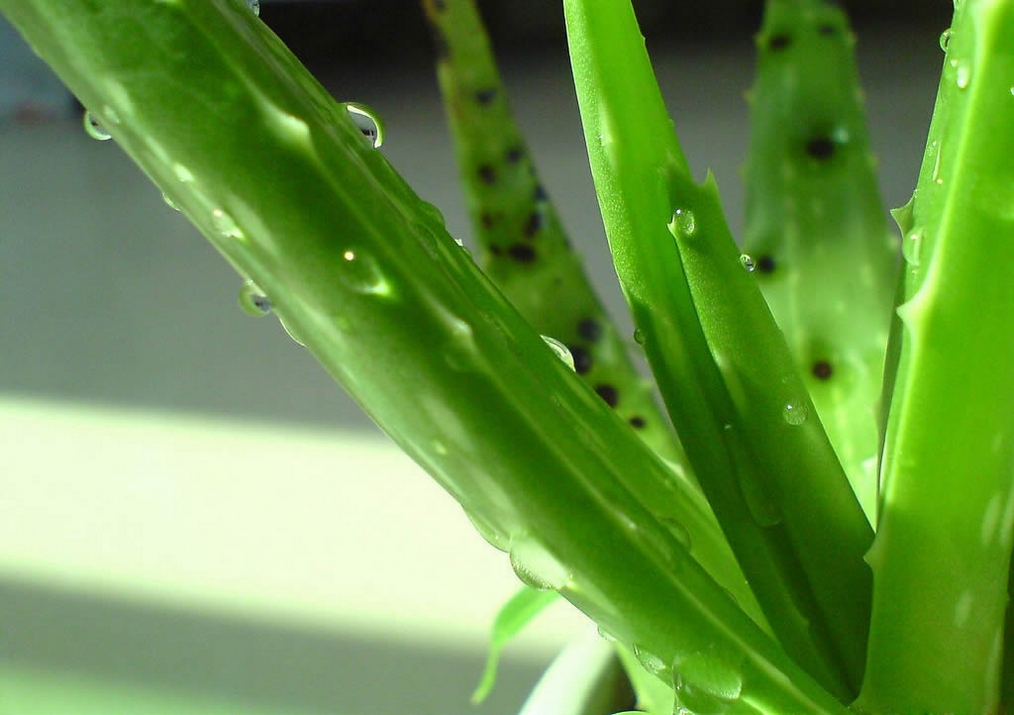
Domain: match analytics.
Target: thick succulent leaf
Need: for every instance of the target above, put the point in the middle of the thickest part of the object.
(522, 244)
(816, 229)
(728, 380)
(943, 544)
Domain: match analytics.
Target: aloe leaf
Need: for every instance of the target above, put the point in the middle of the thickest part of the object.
(941, 555)
(527, 255)
(522, 244)
(517, 613)
(816, 228)
(723, 368)
(278, 177)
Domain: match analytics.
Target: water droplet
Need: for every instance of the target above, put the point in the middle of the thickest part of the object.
(255, 6)
(434, 213)
(169, 202)
(535, 566)
(183, 174)
(683, 223)
(362, 274)
(937, 177)
(368, 121)
(651, 662)
(707, 682)
(495, 537)
(795, 413)
(963, 76)
(606, 635)
(291, 331)
(747, 262)
(225, 225)
(677, 531)
(945, 39)
(763, 510)
(561, 351)
(639, 337)
(253, 301)
(911, 247)
(1012, 91)
(94, 129)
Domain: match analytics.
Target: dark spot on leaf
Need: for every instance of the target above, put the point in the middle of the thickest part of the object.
(608, 393)
(589, 329)
(495, 250)
(532, 225)
(515, 154)
(485, 97)
(822, 369)
(582, 359)
(521, 253)
(637, 422)
(779, 42)
(540, 193)
(765, 264)
(439, 5)
(827, 30)
(487, 174)
(486, 219)
(820, 148)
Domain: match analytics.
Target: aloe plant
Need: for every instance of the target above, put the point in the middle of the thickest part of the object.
(733, 565)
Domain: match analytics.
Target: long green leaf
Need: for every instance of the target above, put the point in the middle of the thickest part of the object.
(943, 543)
(523, 246)
(723, 368)
(816, 228)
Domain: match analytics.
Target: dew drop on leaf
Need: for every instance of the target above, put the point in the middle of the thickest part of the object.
(683, 223)
(535, 566)
(795, 413)
(225, 224)
(911, 247)
(651, 662)
(493, 536)
(639, 337)
(561, 351)
(169, 202)
(94, 129)
(253, 301)
(707, 682)
(945, 39)
(368, 121)
(747, 262)
(255, 6)
(361, 274)
(963, 76)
